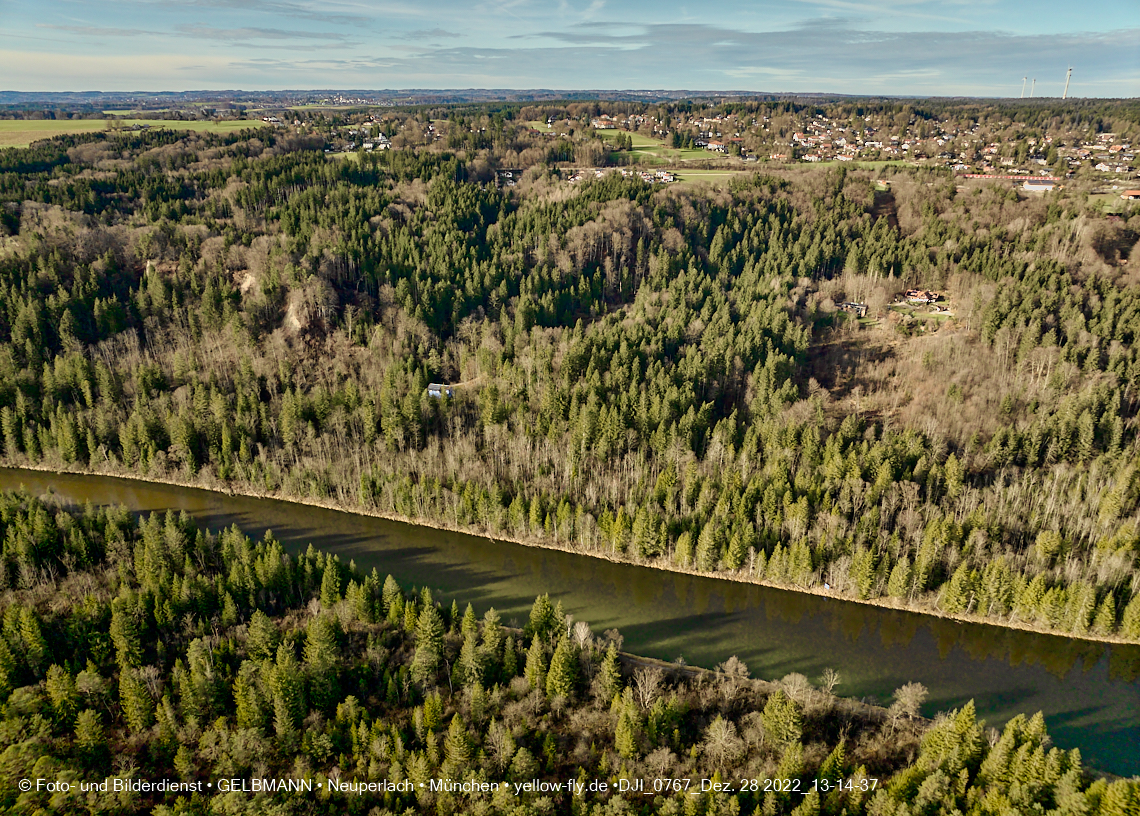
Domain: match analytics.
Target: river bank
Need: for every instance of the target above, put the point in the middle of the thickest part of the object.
(250, 491)
(1088, 691)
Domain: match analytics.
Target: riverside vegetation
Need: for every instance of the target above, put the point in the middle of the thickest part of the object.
(149, 649)
(654, 374)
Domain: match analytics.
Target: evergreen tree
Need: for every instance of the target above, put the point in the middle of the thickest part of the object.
(288, 695)
(62, 693)
(263, 637)
(429, 645)
(535, 671)
(542, 621)
(562, 678)
(125, 635)
(781, 718)
(135, 700)
(609, 675)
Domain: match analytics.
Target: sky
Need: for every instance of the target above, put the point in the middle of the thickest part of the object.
(885, 47)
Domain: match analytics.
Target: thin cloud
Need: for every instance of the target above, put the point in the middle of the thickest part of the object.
(429, 34)
(100, 31)
(258, 33)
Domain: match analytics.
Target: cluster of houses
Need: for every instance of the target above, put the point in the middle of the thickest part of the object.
(648, 176)
(916, 297)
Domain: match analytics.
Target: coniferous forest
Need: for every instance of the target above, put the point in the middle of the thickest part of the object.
(171, 654)
(717, 378)
(659, 374)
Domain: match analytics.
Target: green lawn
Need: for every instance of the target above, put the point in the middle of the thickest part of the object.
(719, 177)
(637, 139)
(22, 132)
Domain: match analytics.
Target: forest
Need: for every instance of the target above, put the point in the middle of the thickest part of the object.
(659, 374)
(160, 651)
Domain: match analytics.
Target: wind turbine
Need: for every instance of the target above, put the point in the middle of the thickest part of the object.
(1033, 87)
(1023, 87)
(1068, 76)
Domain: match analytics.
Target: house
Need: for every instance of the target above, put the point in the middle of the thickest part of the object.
(857, 309)
(1131, 195)
(438, 390)
(921, 296)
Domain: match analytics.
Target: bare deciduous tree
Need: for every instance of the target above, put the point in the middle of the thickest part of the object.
(648, 683)
(582, 634)
(829, 680)
(721, 742)
(734, 672)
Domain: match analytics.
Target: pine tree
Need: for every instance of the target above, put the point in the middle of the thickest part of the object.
(626, 732)
(492, 644)
(89, 736)
(1104, 622)
(535, 671)
(542, 621)
(330, 585)
(562, 679)
(125, 635)
(832, 768)
(63, 694)
(392, 597)
(609, 675)
(708, 548)
(429, 645)
(781, 718)
(510, 658)
(248, 698)
(457, 745)
(470, 624)
(1130, 620)
(469, 667)
(321, 660)
(135, 700)
(288, 694)
(957, 596)
(263, 637)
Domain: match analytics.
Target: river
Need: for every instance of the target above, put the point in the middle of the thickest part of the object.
(1089, 692)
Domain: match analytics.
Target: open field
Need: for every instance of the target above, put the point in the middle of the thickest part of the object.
(654, 152)
(22, 132)
(710, 176)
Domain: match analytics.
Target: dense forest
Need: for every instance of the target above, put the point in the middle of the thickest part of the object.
(151, 650)
(652, 373)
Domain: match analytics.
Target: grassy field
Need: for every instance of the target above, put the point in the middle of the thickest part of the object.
(653, 151)
(719, 177)
(22, 132)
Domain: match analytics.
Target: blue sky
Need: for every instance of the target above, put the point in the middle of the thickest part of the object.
(920, 47)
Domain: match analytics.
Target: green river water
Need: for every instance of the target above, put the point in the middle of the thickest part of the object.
(1089, 692)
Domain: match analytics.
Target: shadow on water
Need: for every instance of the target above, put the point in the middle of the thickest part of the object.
(1087, 691)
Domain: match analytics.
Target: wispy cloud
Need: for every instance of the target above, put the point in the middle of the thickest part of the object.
(943, 47)
(429, 34)
(257, 33)
(100, 31)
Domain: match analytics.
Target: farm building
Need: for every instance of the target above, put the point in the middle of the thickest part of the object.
(921, 296)
(439, 390)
